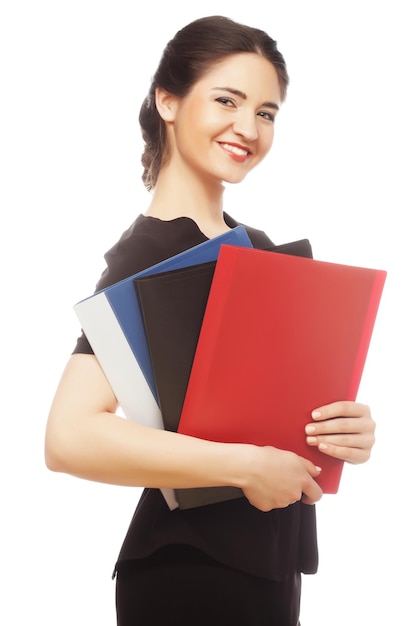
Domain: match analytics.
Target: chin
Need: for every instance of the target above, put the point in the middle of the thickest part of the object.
(228, 178)
(235, 179)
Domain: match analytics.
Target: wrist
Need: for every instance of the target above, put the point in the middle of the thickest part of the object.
(241, 464)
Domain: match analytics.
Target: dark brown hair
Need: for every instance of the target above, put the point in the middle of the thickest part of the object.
(191, 53)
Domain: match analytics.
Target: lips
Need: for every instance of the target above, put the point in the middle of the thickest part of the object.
(238, 153)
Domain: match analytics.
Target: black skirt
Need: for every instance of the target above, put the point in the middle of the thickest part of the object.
(180, 586)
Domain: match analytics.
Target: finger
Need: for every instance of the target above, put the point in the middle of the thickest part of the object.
(361, 441)
(312, 492)
(345, 408)
(313, 470)
(335, 425)
(347, 431)
(345, 453)
(338, 425)
(306, 500)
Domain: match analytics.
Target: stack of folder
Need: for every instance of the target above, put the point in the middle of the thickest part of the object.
(229, 343)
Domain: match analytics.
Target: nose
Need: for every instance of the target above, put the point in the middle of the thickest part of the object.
(245, 125)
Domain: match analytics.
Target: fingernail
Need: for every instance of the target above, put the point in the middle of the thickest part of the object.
(315, 414)
(310, 429)
(322, 446)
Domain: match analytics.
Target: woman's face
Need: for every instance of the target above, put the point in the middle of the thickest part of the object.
(224, 126)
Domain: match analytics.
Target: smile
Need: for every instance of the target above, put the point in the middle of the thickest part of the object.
(236, 152)
(235, 149)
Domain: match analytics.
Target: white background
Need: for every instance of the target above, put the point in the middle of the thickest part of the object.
(342, 173)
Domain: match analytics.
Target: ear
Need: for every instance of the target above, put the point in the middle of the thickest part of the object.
(166, 103)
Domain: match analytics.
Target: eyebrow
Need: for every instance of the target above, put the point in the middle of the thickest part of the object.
(241, 94)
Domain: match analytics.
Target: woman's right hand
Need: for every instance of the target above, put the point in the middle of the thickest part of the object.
(86, 438)
(278, 478)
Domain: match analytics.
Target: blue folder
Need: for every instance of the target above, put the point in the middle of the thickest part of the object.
(124, 304)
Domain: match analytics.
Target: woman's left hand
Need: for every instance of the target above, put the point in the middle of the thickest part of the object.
(344, 430)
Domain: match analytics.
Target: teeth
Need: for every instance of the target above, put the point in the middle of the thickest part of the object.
(236, 150)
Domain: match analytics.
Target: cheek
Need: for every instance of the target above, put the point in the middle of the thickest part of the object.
(266, 141)
(197, 127)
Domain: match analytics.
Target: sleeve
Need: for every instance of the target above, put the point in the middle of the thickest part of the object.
(83, 345)
(136, 249)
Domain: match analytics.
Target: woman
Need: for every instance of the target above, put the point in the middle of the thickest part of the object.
(208, 119)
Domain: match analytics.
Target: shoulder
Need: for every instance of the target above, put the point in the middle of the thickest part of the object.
(138, 248)
(146, 242)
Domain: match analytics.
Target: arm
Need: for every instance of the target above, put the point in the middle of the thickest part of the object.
(86, 438)
(349, 438)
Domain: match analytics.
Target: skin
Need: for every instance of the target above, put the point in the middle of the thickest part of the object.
(218, 133)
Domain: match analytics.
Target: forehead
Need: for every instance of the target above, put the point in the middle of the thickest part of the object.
(248, 72)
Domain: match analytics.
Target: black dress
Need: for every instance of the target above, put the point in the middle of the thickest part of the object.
(273, 546)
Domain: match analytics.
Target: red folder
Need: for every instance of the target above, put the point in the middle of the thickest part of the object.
(173, 305)
(281, 335)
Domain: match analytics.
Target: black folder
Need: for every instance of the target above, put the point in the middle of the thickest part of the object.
(173, 305)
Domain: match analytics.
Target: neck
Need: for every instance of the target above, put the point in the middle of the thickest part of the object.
(199, 200)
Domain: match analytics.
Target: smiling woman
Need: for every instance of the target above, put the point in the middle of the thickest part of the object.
(218, 133)
(207, 120)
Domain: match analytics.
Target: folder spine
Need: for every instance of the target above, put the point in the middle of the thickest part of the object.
(368, 326)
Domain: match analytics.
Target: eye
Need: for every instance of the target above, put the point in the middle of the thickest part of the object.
(229, 102)
(267, 115)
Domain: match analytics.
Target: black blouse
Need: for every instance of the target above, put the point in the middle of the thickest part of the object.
(234, 532)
